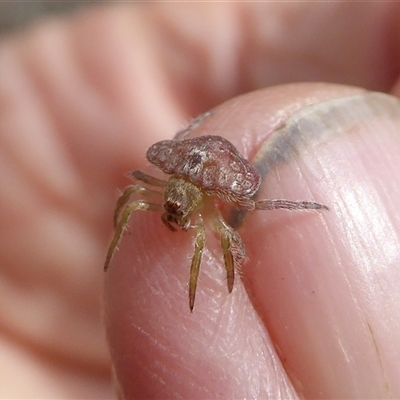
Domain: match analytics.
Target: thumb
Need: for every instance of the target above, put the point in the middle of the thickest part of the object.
(317, 303)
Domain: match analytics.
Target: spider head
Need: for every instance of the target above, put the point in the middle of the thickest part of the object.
(181, 197)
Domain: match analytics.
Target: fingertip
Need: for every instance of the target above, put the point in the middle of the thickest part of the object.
(298, 264)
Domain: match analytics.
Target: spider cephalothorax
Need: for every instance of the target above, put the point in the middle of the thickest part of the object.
(202, 169)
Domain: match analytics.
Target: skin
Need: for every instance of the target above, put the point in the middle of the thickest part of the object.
(317, 311)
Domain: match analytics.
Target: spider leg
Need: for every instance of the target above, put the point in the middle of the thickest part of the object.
(232, 249)
(289, 205)
(228, 258)
(196, 260)
(150, 180)
(126, 194)
(126, 213)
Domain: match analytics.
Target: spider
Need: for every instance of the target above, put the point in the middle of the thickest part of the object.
(205, 172)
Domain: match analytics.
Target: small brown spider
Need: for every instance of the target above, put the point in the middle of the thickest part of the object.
(205, 172)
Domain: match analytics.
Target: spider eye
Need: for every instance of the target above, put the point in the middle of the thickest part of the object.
(173, 207)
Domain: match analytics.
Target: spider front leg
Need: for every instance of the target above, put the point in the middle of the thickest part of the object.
(127, 193)
(138, 189)
(288, 205)
(119, 229)
(232, 249)
(228, 258)
(196, 260)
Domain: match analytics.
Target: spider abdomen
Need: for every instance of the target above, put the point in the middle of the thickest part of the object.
(211, 162)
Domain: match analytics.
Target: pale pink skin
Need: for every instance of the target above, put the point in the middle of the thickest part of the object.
(317, 312)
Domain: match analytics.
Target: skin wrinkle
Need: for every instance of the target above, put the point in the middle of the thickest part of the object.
(380, 229)
(387, 386)
(353, 234)
(312, 125)
(182, 360)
